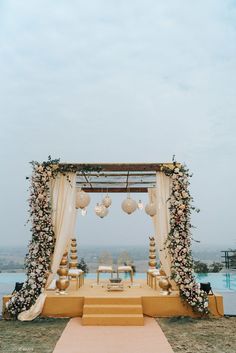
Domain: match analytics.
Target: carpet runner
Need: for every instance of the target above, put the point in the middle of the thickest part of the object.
(77, 338)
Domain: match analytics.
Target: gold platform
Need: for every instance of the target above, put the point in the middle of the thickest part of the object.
(96, 301)
(153, 302)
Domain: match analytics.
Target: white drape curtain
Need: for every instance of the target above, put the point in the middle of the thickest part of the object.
(63, 194)
(159, 195)
(63, 217)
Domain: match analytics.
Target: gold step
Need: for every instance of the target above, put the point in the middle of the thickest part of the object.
(113, 320)
(112, 300)
(112, 309)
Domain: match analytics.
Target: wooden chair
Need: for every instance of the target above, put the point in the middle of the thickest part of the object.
(124, 266)
(78, 274)
(105, 265)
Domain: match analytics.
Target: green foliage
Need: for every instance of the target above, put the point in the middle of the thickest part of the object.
(200, 267)
(83, 266)
(216, 267)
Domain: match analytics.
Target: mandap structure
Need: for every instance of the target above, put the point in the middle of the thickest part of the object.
(53, 189)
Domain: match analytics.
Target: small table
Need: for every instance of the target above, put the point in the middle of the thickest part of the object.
(115, 284)
(115, 287)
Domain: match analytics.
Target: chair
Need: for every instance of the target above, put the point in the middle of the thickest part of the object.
(78, 275)
(153, 276)
(124, 265)
(105, 265)
(150, 275)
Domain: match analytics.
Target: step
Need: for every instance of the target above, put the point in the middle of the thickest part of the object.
(113, 300)
(112, 309)
(113, 320)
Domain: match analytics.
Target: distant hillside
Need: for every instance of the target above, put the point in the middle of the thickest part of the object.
(12, 258)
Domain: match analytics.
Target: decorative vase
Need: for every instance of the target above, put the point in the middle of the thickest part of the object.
(62, 283)
(165, 285)
(162, 272)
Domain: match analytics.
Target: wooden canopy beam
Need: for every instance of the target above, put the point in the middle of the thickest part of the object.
(122, 166)
(111, 190)
(115, 183)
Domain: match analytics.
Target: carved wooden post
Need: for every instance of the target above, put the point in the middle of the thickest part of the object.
(73, 256)
(152, 254)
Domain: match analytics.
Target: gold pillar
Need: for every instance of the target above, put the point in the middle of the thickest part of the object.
(152, 253)
(62, 283)
(73, 256)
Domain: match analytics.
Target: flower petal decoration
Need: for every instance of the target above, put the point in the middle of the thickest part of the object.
(179, 239)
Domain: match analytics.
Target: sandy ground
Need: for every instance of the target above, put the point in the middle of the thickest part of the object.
(188, 335)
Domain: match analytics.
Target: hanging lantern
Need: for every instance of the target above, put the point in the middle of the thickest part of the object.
(97, 209)
(129, 205)
(150, 209)
(84, 211)
(140, 205)
(103, 211)
(82, 199)
(107, 201)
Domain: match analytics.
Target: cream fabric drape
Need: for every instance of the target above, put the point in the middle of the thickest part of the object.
(161, 220)
(64, 215)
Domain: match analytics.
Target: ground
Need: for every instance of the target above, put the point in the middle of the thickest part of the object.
(185, 335)
(188, 335)
(38, 336)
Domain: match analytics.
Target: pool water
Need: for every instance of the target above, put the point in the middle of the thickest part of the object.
(219, 281)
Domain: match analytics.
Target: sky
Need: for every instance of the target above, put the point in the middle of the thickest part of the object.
(119, 81)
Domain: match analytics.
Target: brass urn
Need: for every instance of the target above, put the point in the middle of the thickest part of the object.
(62, 272)
(62, 283)
(162, 272)
(165, 285)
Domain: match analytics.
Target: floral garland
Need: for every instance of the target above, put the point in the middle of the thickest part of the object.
(179, 239)
(41, 247)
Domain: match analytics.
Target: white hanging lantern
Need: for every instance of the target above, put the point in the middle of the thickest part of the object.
(150, 209)
(107, 201)
(103, 211)
(82, 199)
(140, 205)
(129, 205)
(97, 209)
(84, 211)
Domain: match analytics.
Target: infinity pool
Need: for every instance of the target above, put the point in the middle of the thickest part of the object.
(219, 281)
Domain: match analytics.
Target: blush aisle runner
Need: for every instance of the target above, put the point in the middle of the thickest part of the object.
(113, 339)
